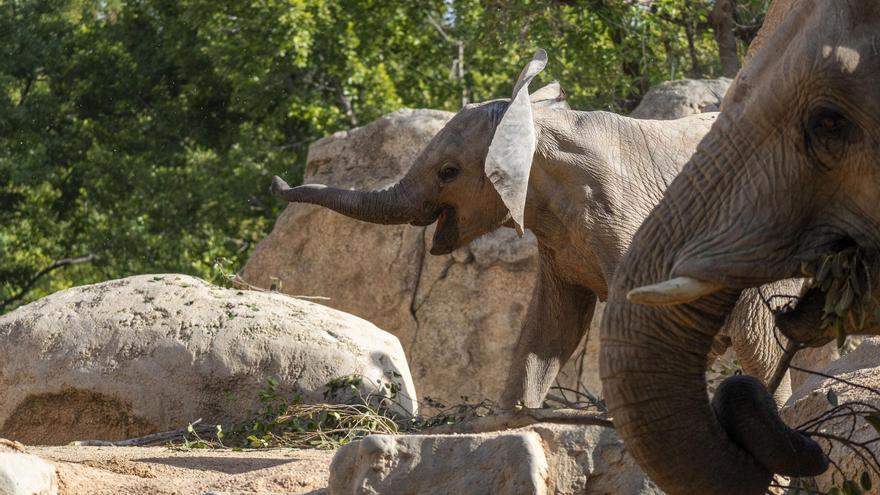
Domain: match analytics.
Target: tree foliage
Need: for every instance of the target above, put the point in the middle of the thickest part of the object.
(139, 136)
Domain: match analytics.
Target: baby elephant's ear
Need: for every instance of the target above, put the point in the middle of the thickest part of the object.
(513, 145)
(550, 96)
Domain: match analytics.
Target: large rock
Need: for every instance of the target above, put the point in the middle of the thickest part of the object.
(457, 316)
(539, 459)
(154, 352)
(855, 378)
(677, 99)
(508, 463)
(25, 474)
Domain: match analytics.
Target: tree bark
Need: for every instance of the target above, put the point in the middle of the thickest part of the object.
(696, 72)
(722, 20)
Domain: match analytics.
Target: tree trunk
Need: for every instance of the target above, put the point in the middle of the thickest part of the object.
(696, 72)
(722, 20)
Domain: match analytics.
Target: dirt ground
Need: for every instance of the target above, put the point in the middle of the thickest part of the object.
(164, 471)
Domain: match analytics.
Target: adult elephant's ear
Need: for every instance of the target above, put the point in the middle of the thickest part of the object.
(509, 159)
(550, 96)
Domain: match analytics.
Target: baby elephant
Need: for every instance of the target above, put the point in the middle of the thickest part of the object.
(581, 181)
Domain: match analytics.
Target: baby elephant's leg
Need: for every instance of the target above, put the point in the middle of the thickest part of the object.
(558, 316)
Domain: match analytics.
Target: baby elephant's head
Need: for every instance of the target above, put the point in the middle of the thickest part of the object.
(470, 179)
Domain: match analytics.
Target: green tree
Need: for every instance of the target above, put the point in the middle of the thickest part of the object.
(139, 136)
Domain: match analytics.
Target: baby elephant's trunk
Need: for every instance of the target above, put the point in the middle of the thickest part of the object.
(384, 207)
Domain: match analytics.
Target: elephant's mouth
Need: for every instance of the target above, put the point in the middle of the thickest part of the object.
(841, 298)
(802, 321)
(446, 235)
(427, 216)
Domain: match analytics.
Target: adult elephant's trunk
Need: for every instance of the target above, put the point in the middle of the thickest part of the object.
(389, 206)
(653, 364)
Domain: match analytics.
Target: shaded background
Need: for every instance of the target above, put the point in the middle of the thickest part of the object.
(140, 136)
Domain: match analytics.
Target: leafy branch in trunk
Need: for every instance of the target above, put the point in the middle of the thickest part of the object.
(844, 279)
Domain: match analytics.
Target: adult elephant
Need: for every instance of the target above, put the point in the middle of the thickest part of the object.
(788, 172)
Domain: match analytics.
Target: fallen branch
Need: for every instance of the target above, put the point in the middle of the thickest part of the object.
(505, 420)
(592, 399)
(240, 283)
(164, 436)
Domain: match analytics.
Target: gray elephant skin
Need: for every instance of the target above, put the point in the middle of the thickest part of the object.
(788, 173)
(581, 181)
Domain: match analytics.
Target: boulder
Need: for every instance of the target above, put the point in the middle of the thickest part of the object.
(151, 353)
(855, 378)
(25, 474)
(396, 464)
(677, 99)
(543, 458)
(457, 316)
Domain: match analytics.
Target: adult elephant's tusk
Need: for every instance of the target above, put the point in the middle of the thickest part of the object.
(678, 290)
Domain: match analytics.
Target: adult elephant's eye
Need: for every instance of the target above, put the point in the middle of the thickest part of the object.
(448, 172)
(828, 134)
(829, 124)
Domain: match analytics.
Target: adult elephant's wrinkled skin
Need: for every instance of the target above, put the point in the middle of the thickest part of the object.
(790, 170)
(581, 181)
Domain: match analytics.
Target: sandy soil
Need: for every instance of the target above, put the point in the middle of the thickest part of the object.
(160, 470)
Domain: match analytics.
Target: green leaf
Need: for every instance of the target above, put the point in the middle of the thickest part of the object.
(831, 396)
(873, 419)
(840, 334)
(865, 481)
(845, 301)
(850, 487)
(854, 282)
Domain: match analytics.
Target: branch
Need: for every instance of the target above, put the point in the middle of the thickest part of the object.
(163, 436)
(682, 21)
(439, 28)
(505, 420)
(782, 367)
(42, 273)
(26, 90)
(457, 69)
(346, 106)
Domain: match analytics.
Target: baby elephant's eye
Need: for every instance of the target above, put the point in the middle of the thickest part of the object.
(448, 172)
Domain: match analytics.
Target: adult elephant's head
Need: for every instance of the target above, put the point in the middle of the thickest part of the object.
(471, 178)
(790, 170)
